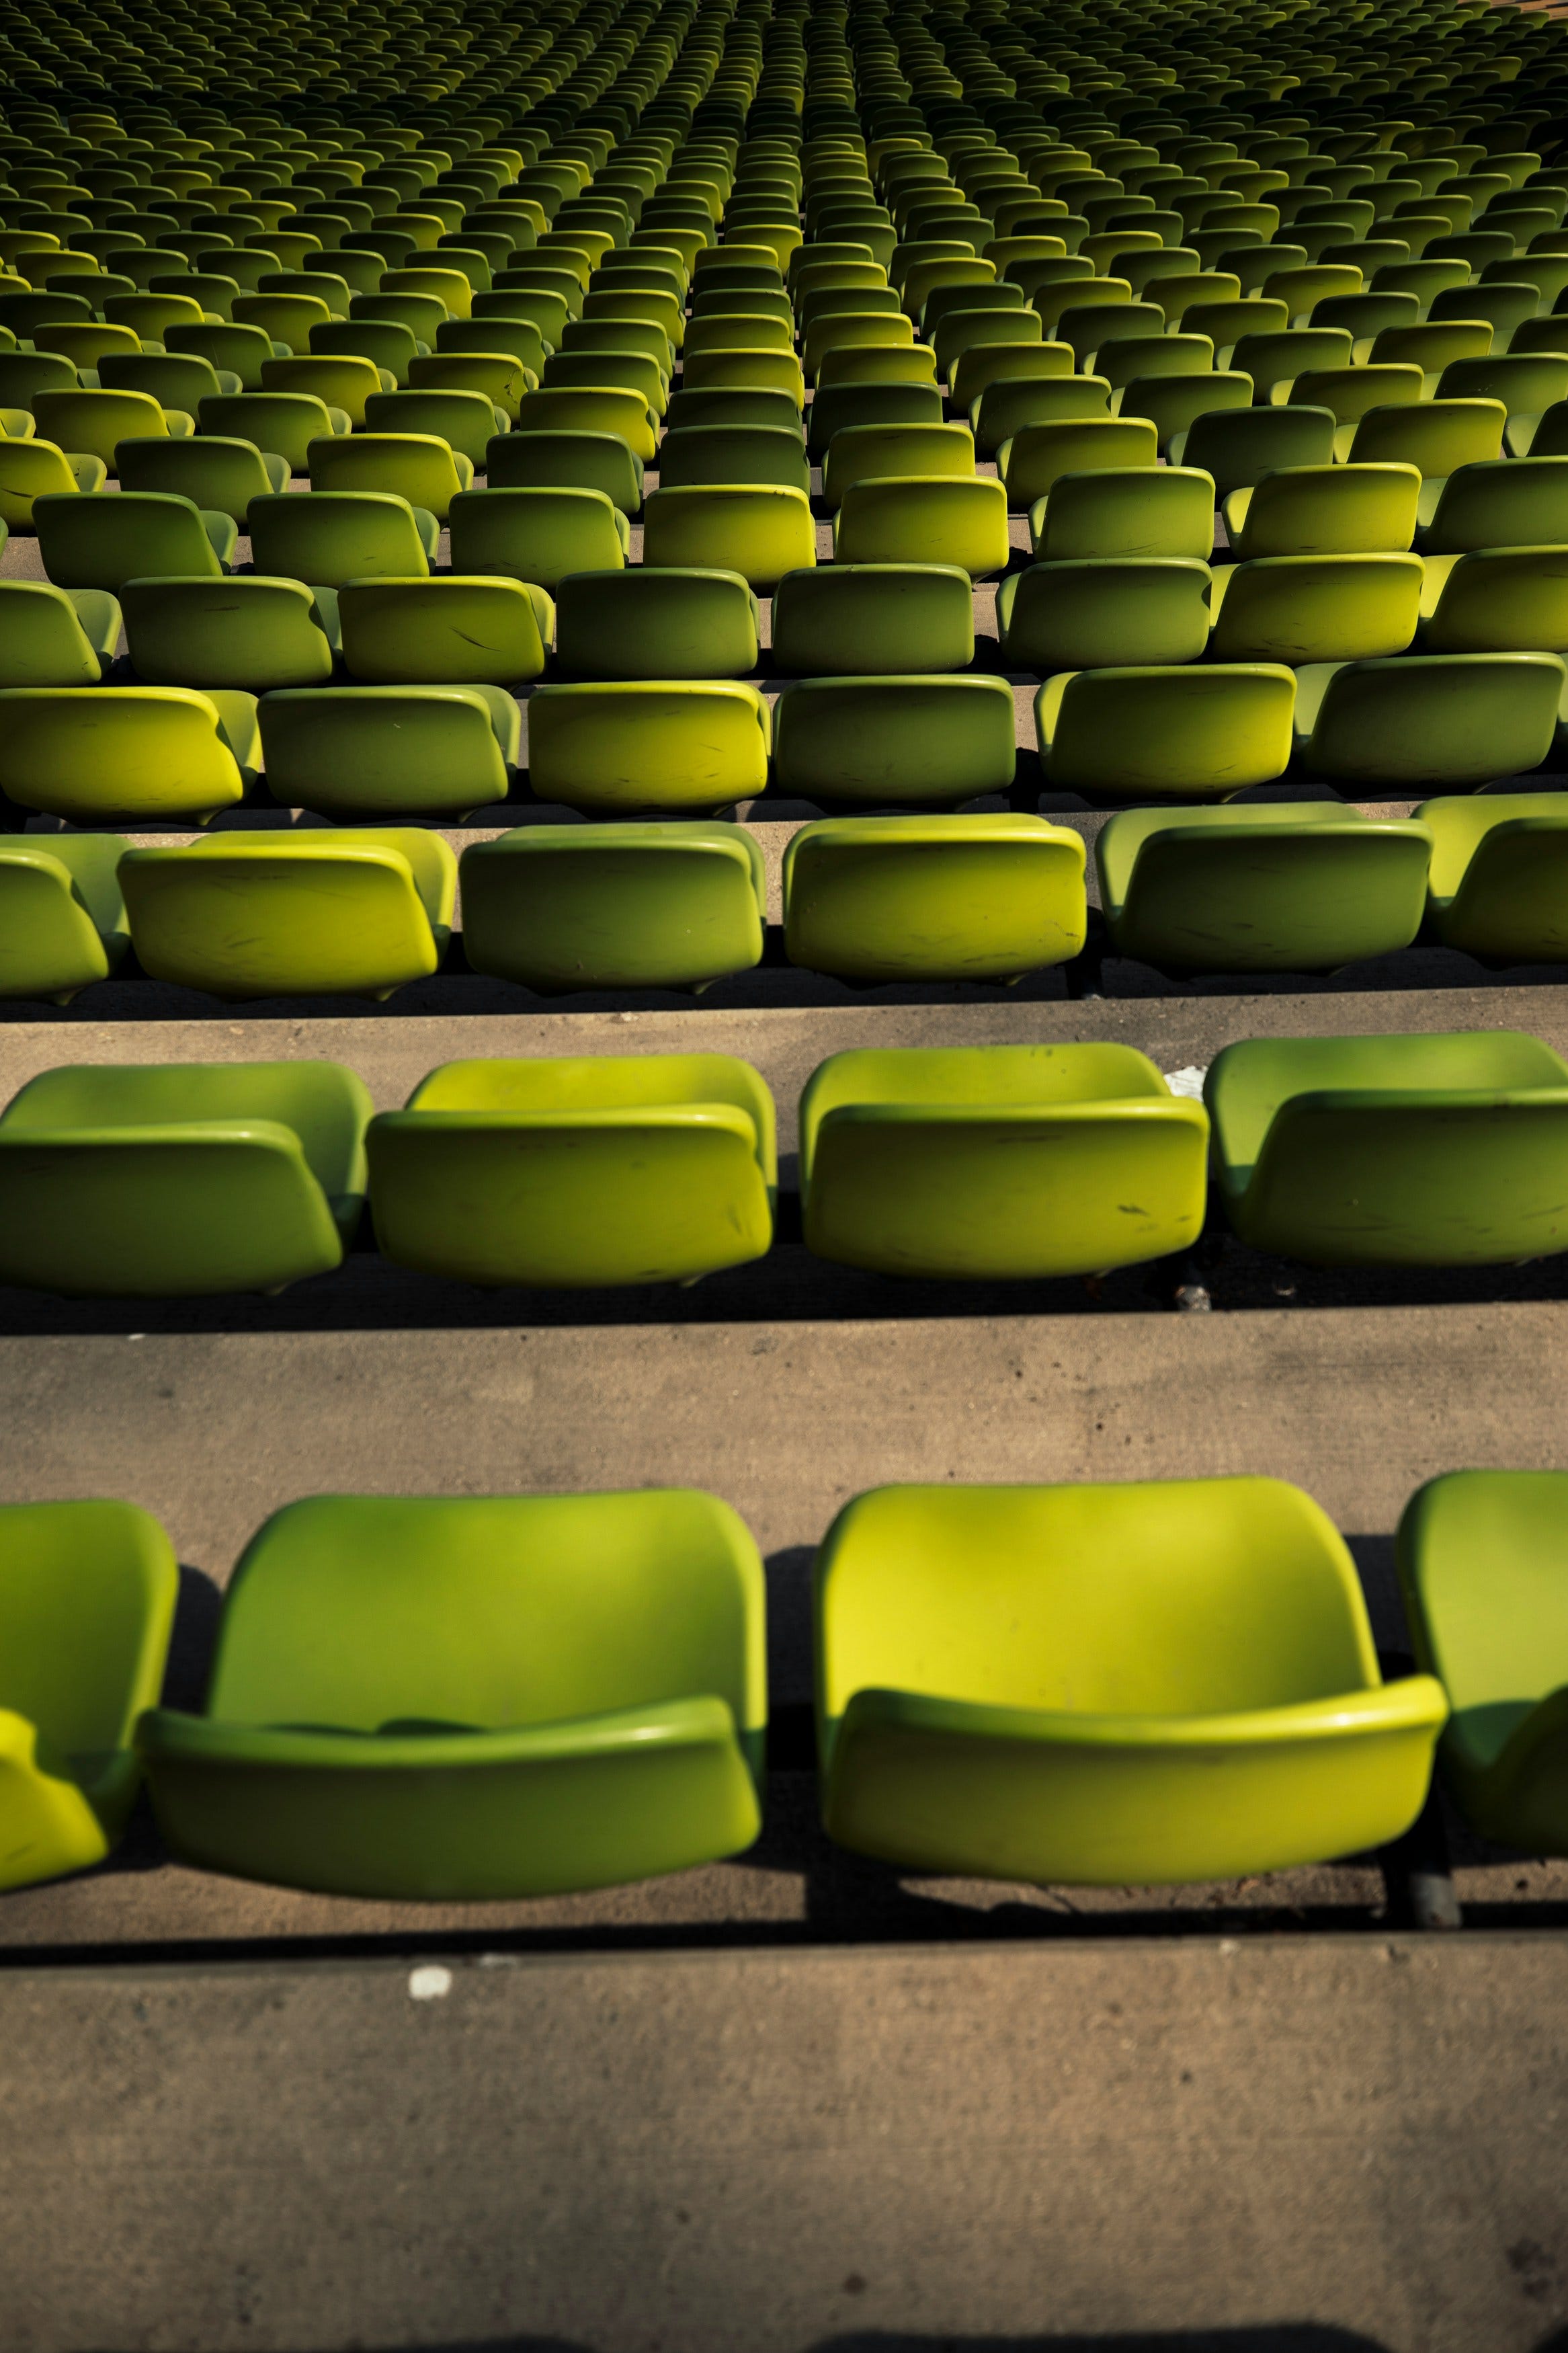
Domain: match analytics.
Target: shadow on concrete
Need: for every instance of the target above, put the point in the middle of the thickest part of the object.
(1285, 2336)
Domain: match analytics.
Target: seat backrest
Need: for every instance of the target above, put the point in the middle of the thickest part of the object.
(1439, 436)
(137, 534)
(283, 422)
(173, 379)
(87, 1605)
(362, 1611)
(239, 349)
(1138, 511)
(1506, 502)
(1242, 1593)
(222, 475)
(1237, 446)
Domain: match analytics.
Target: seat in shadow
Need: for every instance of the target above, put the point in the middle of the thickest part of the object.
(434, 1698)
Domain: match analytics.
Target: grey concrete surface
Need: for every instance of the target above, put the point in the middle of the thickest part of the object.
(1340, 2146)
(392, 1053)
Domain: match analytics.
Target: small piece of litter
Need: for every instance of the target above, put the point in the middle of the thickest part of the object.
(1188, 1082)
(432, 1983)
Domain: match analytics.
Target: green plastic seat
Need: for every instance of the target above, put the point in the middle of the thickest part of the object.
(840, 406)
(1433, 343)
(758, 530)
(932, 898)
(1133, 510)
(1325, 511)
(1038, 455)
(509, 1696)
(1498, 864)
(601, 372)
(1173, 405)
(649, 624)
(1145, 1682)
(925, 519)
(87, 1608)
(1527, 382)
(848, 364)
(567, 460)
(869, 742)
(176, 380)
(1443, 720)
(1430, 1150)
(1480, 1561)
(277, 914)
(1316, 608)
(732, 454)
(718, 405)
(999, 1162)
(1081, 613)
(417, 467)
(62, 920)
(453, 630)
(129, 535)
(174, 1180)
(858, 620)
(386, 342)
(466, 421)
(1509, 502)
(1204, 732)
(1013, 404)
(1014, 361)
(1239, 446)
(126, 751)
(390, 751)
(285, 319)
(1436, 436)
(880, 452)
(619, 411)
(286, 423)
(600, 1171)
(538, 535)
(1505, 306)
(253, 633)
(674, 904)
(234, 348)
(95, 422)
(648, 336)
(24, 373)
(619, 749)
(1496, 600)
(339, 380)
(1287, 886)
(335, 536)
(55, 637)
(218, 475)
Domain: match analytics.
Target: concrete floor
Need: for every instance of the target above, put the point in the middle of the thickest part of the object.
(1319, 2146)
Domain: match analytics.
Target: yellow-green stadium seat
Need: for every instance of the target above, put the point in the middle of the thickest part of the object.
(759, 531)
(1479, 1555)
(673, 904)
(603, 1170)
(87, 1609)
(275, 914)
(926, 520)
(1498, 861)
(872, 741)
(55, 637)
(137, 534)
(254, 632)
(983, 898)
(421, 468)
(172, 1180)
(62, 919)
(646, 623)
(625, 1743)
(1443, 720)
(1277, 886)
(862, 618)
(620, 749)
(455, 630)
(352, 752)
(999, 1162)
(1325, 511)
(1079, 613)
(126, 751)
(335, 536)
(1144, 510)
(1206, 731)
(218, 475)
(1316, 608)
(1496, 600)
(285, 423)
(1431, 1150)
(733, 454)
(993, 1702)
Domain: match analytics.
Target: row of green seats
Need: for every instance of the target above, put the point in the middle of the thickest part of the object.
(261, 631)
(1005, 1163)
(437, 1698)
(1118, 733)
(1298, 886)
